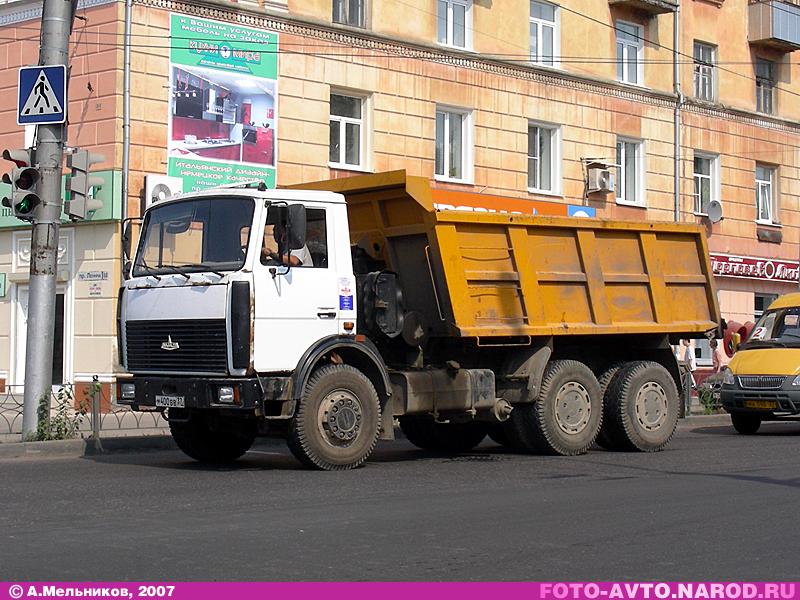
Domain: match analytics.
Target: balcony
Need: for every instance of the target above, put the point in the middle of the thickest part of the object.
(650, 7)
(775, 24)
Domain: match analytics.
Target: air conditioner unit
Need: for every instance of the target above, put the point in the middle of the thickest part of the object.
(601, 180)
(160, 187)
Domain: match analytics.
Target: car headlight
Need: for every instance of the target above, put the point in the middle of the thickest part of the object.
(225, 394)
(128, 391)
(796, 380)
(728, 378)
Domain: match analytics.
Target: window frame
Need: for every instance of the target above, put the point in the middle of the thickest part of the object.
(467, 148)
(450, 23)
(345, 8)
(555, 24)
(622, 65)
(774, 205)
(760, 85)
(639, 158)
(363, 122)
(554, 132)
(704, 69)
(713, 177)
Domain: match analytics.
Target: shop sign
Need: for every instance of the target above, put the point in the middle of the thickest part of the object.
(222, 104)
(748, 267)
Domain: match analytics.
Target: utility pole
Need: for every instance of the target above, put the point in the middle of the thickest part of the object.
(57, 18)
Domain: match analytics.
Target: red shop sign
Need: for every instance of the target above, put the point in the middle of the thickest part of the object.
(747, 267)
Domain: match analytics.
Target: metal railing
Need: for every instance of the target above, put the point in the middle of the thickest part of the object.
(65, 414)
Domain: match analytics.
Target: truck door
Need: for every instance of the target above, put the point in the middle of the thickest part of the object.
(297, 306)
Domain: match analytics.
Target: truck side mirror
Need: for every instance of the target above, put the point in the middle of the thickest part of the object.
(296, 226)
(126, 269)
(126, 240)
(736, 340)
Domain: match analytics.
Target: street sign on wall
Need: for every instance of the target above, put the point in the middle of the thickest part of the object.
(748, 267)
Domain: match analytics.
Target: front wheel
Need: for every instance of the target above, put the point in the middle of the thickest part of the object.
(198, 441)
(745, 423)
(338, 420)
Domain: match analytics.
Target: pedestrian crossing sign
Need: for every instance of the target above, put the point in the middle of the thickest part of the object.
(42, 95)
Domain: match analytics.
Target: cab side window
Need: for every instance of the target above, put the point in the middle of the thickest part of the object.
(315, 252)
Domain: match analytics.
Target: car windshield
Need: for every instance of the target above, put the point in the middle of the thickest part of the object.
(206, 234)
(779, 327)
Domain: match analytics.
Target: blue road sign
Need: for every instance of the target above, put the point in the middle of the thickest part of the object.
(42, 95)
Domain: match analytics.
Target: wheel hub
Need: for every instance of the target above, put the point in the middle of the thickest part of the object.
(573, 408)
(651, 406)
(339, 418)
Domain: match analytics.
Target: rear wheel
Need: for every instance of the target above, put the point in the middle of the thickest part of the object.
(603, 439)
(746, 423)
(566, 417)
(641, 408)
(198, 441)
(338, 420)
(452, 438)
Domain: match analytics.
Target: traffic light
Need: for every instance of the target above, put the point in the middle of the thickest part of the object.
(80, 184)
(23, 178)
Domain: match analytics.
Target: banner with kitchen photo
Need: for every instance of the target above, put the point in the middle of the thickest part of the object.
(223, 103)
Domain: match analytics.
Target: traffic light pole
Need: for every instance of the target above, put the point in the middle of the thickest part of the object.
(56, 27)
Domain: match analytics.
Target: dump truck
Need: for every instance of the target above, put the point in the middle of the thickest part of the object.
(332, 312)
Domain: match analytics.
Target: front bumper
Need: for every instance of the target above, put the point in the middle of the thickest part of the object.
(780, 402)
(202, 392)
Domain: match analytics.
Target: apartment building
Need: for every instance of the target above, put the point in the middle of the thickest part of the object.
(690, 105)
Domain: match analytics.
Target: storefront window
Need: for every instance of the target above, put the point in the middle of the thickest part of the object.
(762, 303)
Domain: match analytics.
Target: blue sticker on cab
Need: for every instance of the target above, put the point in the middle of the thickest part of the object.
(346, 294)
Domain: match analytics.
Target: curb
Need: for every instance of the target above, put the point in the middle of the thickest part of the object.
(85, 447)
(704, 421)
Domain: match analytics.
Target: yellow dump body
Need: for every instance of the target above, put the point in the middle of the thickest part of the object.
(482, 274)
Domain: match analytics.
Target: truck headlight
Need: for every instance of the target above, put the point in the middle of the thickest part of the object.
(225, 394)
(796, 380)
(728, 378)
(128, 391)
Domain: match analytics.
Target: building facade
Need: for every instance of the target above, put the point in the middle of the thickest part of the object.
(530, 100)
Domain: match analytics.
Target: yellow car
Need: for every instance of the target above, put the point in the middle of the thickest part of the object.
(762, 382)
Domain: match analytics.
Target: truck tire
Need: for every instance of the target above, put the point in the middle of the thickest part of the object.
(603, 439)
(199, 442)
(337, 421)
(745, 423)
(566, 417)
(641, 408)
(449, 438)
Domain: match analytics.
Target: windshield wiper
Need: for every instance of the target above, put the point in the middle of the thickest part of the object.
(766, 343)
(206, 267)
(177, 271)
(149, 270)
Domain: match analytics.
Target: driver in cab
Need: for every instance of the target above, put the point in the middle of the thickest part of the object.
(294, 258)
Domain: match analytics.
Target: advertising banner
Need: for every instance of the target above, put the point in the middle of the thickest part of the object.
(223, 103)
(748, 267)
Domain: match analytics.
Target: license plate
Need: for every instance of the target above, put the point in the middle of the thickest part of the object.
(760, 404)
(171, 401)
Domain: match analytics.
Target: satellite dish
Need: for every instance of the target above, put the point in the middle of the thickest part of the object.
(714, 211)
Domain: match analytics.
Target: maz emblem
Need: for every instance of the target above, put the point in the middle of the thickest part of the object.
(169, 344)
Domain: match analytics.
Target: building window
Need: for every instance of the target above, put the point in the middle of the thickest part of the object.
(766, 203)
(765, 86)
(705, 58)
(452, 144)
(630, 48)
(630, 172)
(544, 33)
(706, 182)
(543, 158)
(346, 132)
(762, 302)
(454, 20)
(349, 12)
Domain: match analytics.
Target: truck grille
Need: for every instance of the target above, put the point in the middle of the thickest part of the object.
(761, 382)
(199, 345)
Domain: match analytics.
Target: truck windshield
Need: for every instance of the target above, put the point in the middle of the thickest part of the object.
(207, 234)
(779, 327)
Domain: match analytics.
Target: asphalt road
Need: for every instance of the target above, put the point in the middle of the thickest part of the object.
(715, 505)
